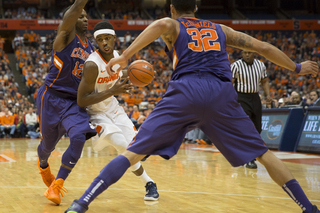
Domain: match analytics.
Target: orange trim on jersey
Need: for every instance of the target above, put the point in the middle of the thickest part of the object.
(41, 111)
(134, 139)
(189, 18)
(84, 45)
(59, 64)
(175, 58)
(101, 57)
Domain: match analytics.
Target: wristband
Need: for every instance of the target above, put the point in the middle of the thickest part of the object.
(298, 68)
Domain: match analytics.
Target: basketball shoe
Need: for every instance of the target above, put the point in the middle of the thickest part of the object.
(314, 209)
(46, 175)
(53, 192)
(77, 207)
(152, 193)
(251, 165)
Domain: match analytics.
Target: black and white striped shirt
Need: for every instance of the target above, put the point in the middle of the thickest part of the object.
(248, 77)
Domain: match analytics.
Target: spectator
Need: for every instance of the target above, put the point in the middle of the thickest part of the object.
(135, 114)
(7, 124)
(314, 98)
(19, 121)
(31, 120)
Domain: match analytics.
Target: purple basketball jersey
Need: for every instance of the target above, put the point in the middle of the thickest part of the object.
(206, 50)
(66, 67)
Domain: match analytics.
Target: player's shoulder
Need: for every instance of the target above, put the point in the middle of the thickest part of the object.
(93, 56)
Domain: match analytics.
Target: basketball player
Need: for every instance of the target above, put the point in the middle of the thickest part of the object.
(96, 92)
(199, 95)
(58, 111)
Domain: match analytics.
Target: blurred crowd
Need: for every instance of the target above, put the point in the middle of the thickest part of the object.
(286, 88)
(24, 13)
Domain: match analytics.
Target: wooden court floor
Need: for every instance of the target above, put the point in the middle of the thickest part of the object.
(197, 179)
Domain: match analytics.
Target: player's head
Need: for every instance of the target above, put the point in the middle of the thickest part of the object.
(82, 22)
(105, 36)
(179, 7)
(247, 56)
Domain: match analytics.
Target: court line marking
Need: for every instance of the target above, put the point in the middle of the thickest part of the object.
(7, 158)
(168, 191)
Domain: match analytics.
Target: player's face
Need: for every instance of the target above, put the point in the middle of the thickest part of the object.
(248, 56)
(106, 43)
(82, 23)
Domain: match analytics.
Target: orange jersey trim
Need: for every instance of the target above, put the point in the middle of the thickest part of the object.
(41, 111)
(59, 64)
(84, 45)
(190, 18)
(175, 58)
(134, 139)
(101, 57)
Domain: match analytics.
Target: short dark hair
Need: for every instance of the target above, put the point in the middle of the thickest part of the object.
(184, 5)
(103, 25)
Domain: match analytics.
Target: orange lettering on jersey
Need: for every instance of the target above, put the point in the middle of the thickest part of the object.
(80, 53)
(107, 79)
(77, 72)
(198, 24)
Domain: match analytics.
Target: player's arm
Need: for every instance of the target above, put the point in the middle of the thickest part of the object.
(167, 28)
(245, 42)
(66, 29)
(85, 97)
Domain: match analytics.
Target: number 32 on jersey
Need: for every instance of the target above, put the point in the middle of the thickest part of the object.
(203, 40)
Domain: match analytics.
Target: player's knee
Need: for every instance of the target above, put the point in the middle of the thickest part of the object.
(76, 145)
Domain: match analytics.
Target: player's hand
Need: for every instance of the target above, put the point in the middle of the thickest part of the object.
(121, 87)
(116, 62)
(309, 67)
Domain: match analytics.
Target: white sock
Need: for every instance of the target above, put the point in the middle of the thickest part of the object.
(144, 177)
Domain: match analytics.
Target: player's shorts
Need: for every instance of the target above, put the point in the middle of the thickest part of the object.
(59, 116)
(109, 122)
(199, 100)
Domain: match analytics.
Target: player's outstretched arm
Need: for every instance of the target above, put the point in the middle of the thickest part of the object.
(245, 42)
(167, 28)
(66, 29)
(85, 97)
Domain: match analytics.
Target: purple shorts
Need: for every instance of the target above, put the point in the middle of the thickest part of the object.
(59, 116)
(200, 101)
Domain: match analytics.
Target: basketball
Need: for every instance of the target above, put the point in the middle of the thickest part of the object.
(140, 73)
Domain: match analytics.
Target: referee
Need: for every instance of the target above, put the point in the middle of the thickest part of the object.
(247, 74)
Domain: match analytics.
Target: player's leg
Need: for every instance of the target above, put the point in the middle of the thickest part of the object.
(109, 175)
(75, 121)
(49, 122)
(120, 143)
(283, 177)
(236, 137)
(170, 118)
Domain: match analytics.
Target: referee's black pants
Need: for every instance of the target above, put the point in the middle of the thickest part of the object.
(251, 104)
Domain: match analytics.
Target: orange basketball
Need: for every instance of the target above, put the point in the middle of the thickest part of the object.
(140, 73)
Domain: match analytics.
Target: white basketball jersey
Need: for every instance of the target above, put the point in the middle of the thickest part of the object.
(104, 81)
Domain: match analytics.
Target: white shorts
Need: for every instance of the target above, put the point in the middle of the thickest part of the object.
(112, 121)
